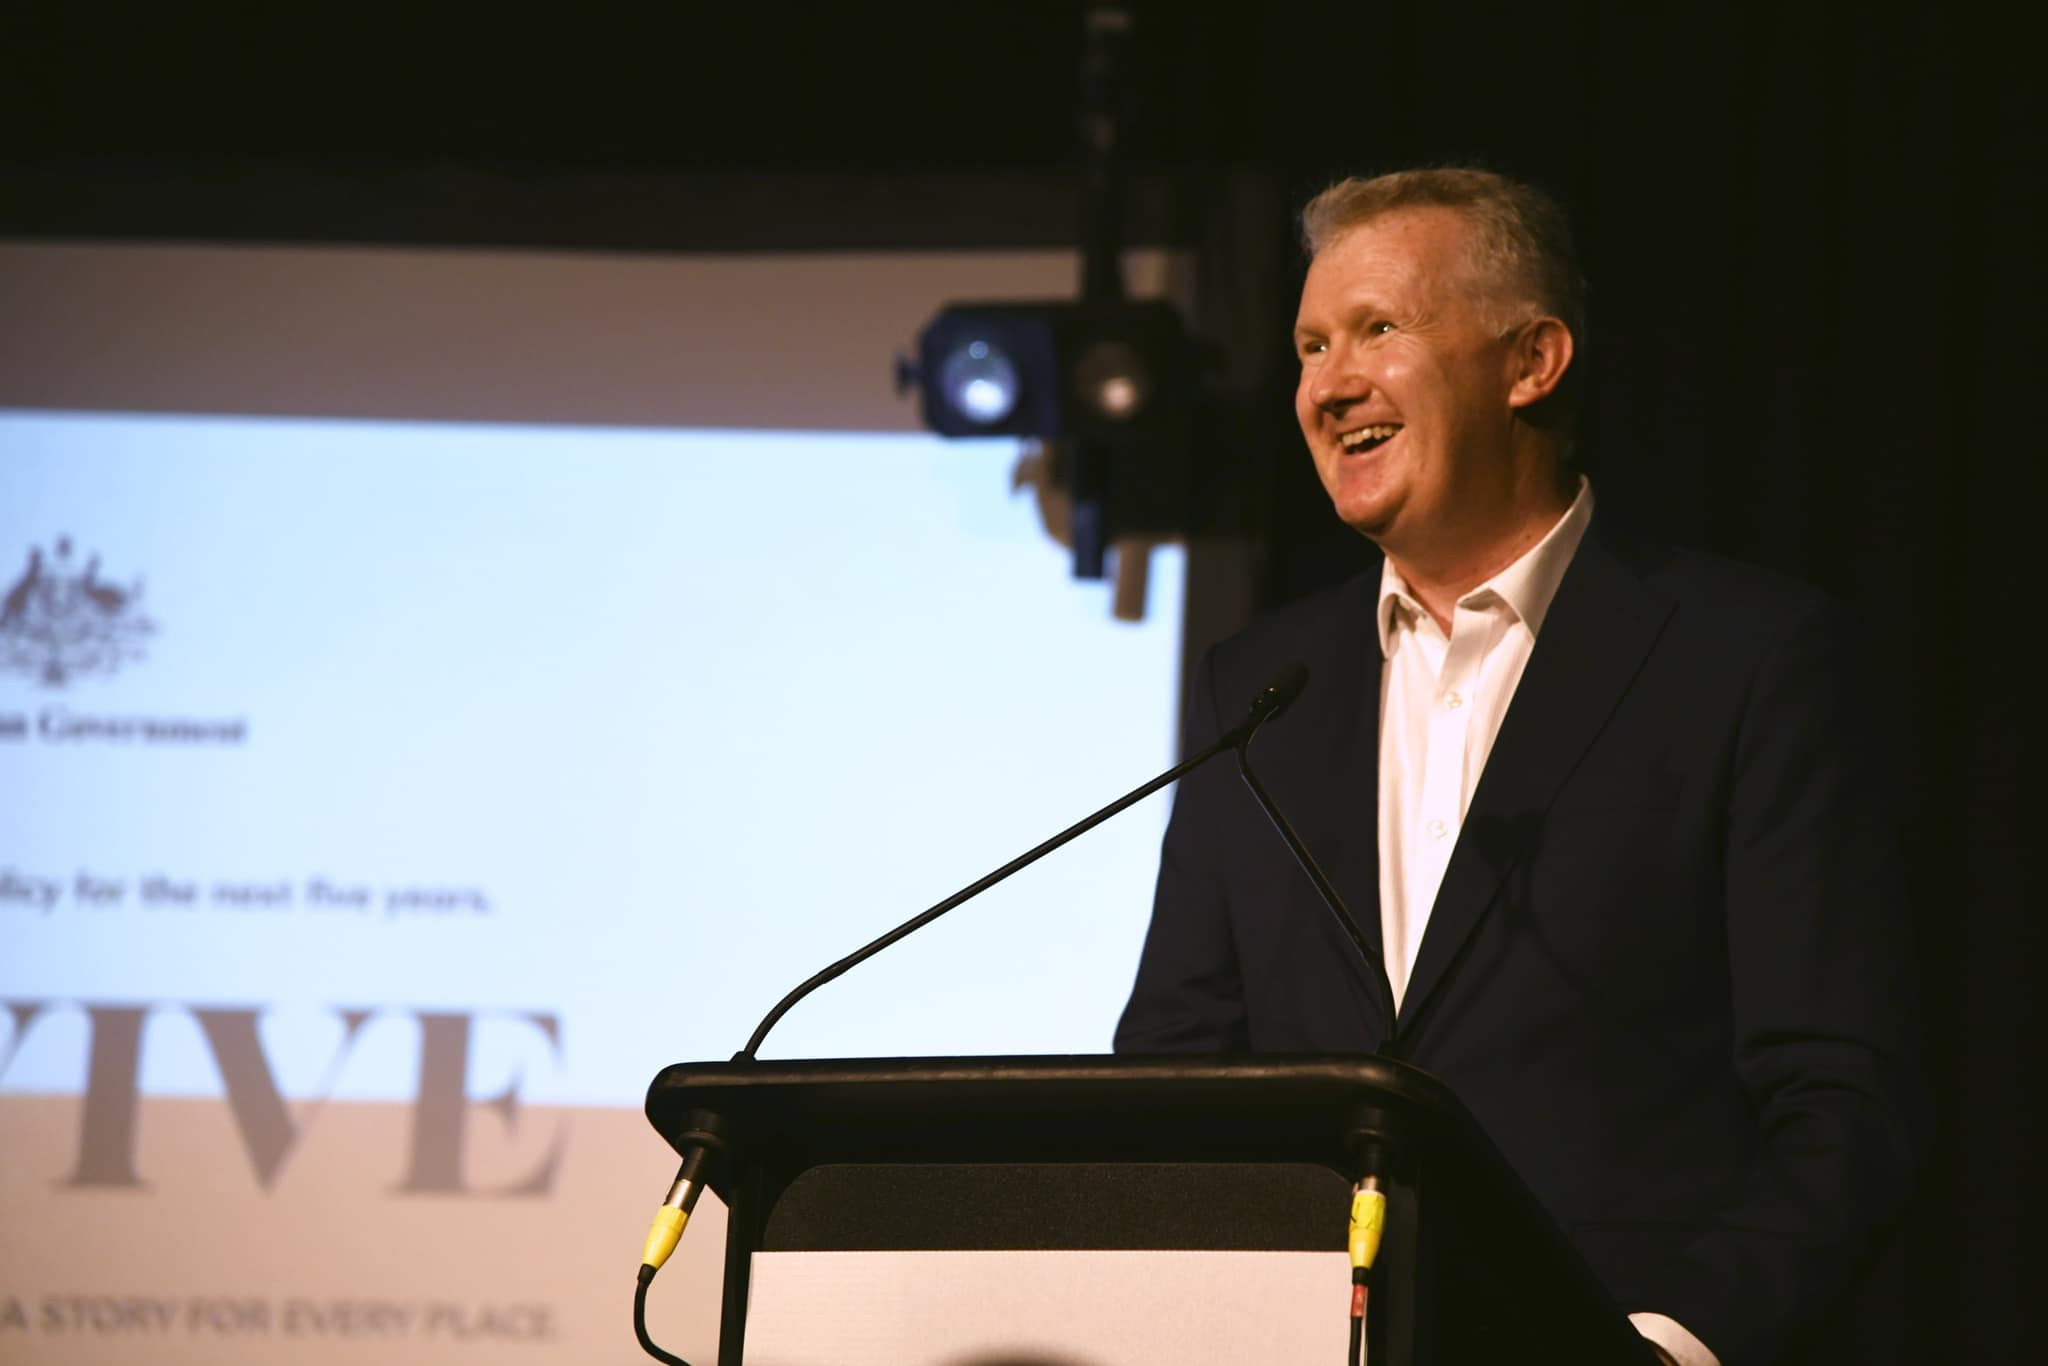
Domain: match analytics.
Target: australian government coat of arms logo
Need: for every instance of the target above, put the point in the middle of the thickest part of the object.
(60, 619)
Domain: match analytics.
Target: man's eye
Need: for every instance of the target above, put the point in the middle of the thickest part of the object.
(1380, 329)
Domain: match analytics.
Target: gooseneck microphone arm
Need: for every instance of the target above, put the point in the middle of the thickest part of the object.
(1331, 902)
(1270, 702)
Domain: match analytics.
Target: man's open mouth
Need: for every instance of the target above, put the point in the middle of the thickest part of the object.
(1365, 438)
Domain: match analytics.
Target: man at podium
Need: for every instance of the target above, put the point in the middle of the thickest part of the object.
(1616, 813)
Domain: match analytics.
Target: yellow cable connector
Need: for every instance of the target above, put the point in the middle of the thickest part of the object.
(663, 1235)
(1368, 1217)
(667, 1228)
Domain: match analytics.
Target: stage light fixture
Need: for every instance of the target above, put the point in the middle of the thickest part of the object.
(1113, 372)
(1109, 386)
(986, 370)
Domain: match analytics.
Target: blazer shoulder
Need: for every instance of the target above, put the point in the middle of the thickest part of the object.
(1305, 625)
(1752, 598)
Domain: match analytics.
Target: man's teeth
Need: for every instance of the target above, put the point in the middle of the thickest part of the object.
(1368, 436)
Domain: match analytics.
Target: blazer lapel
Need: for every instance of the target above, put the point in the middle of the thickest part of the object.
(1595, 636)
(1340, 791)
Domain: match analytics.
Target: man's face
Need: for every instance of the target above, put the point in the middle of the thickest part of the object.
(1404, 384)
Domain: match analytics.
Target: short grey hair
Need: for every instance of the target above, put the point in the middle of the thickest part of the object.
(1520, 239)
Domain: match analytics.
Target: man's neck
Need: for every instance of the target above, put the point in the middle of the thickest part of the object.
(1438, 581)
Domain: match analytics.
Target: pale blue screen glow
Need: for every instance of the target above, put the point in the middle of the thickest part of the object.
(635, 728)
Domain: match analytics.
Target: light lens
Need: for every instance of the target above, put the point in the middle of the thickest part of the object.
(1112, 380)
(979, 382)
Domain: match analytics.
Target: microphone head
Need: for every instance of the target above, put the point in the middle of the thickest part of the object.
(1279, 695)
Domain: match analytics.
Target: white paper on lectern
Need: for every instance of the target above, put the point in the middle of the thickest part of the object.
(1075, 1308)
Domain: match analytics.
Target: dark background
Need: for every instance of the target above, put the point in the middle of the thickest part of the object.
(1814, 238)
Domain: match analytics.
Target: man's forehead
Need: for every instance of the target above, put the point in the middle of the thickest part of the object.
(1391, 254)
(1421, 237)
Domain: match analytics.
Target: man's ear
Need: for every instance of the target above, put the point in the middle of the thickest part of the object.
(1541, 353)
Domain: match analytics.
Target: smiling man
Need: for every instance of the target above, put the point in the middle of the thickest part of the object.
(1618, 807)
(1416, 373)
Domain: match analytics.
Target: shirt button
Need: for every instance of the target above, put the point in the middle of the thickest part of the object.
(1436, 830)
(1453, 701)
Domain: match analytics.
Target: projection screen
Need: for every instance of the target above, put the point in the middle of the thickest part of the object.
(440, 688)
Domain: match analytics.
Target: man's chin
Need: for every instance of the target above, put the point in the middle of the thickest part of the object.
(1371, 520)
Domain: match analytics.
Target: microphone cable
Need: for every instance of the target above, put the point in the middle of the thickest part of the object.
(663, 1235)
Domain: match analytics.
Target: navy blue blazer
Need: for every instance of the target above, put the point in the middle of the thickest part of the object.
(1669, 966)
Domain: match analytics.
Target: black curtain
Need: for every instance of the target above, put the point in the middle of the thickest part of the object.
(1814, 243)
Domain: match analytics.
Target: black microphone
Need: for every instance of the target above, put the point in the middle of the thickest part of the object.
(1273, 699)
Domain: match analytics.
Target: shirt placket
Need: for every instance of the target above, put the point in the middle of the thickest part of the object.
(1448, 731)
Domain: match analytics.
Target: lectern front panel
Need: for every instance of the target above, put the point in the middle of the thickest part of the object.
(1061, 1206)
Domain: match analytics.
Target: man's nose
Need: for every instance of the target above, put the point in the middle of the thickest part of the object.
(1339, 382)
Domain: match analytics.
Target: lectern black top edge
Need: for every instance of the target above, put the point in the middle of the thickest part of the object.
(1097, 1108)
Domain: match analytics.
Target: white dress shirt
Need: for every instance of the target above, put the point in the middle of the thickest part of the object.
(1442, 698)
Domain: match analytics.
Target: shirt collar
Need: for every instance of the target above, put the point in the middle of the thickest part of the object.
(1526, 586)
